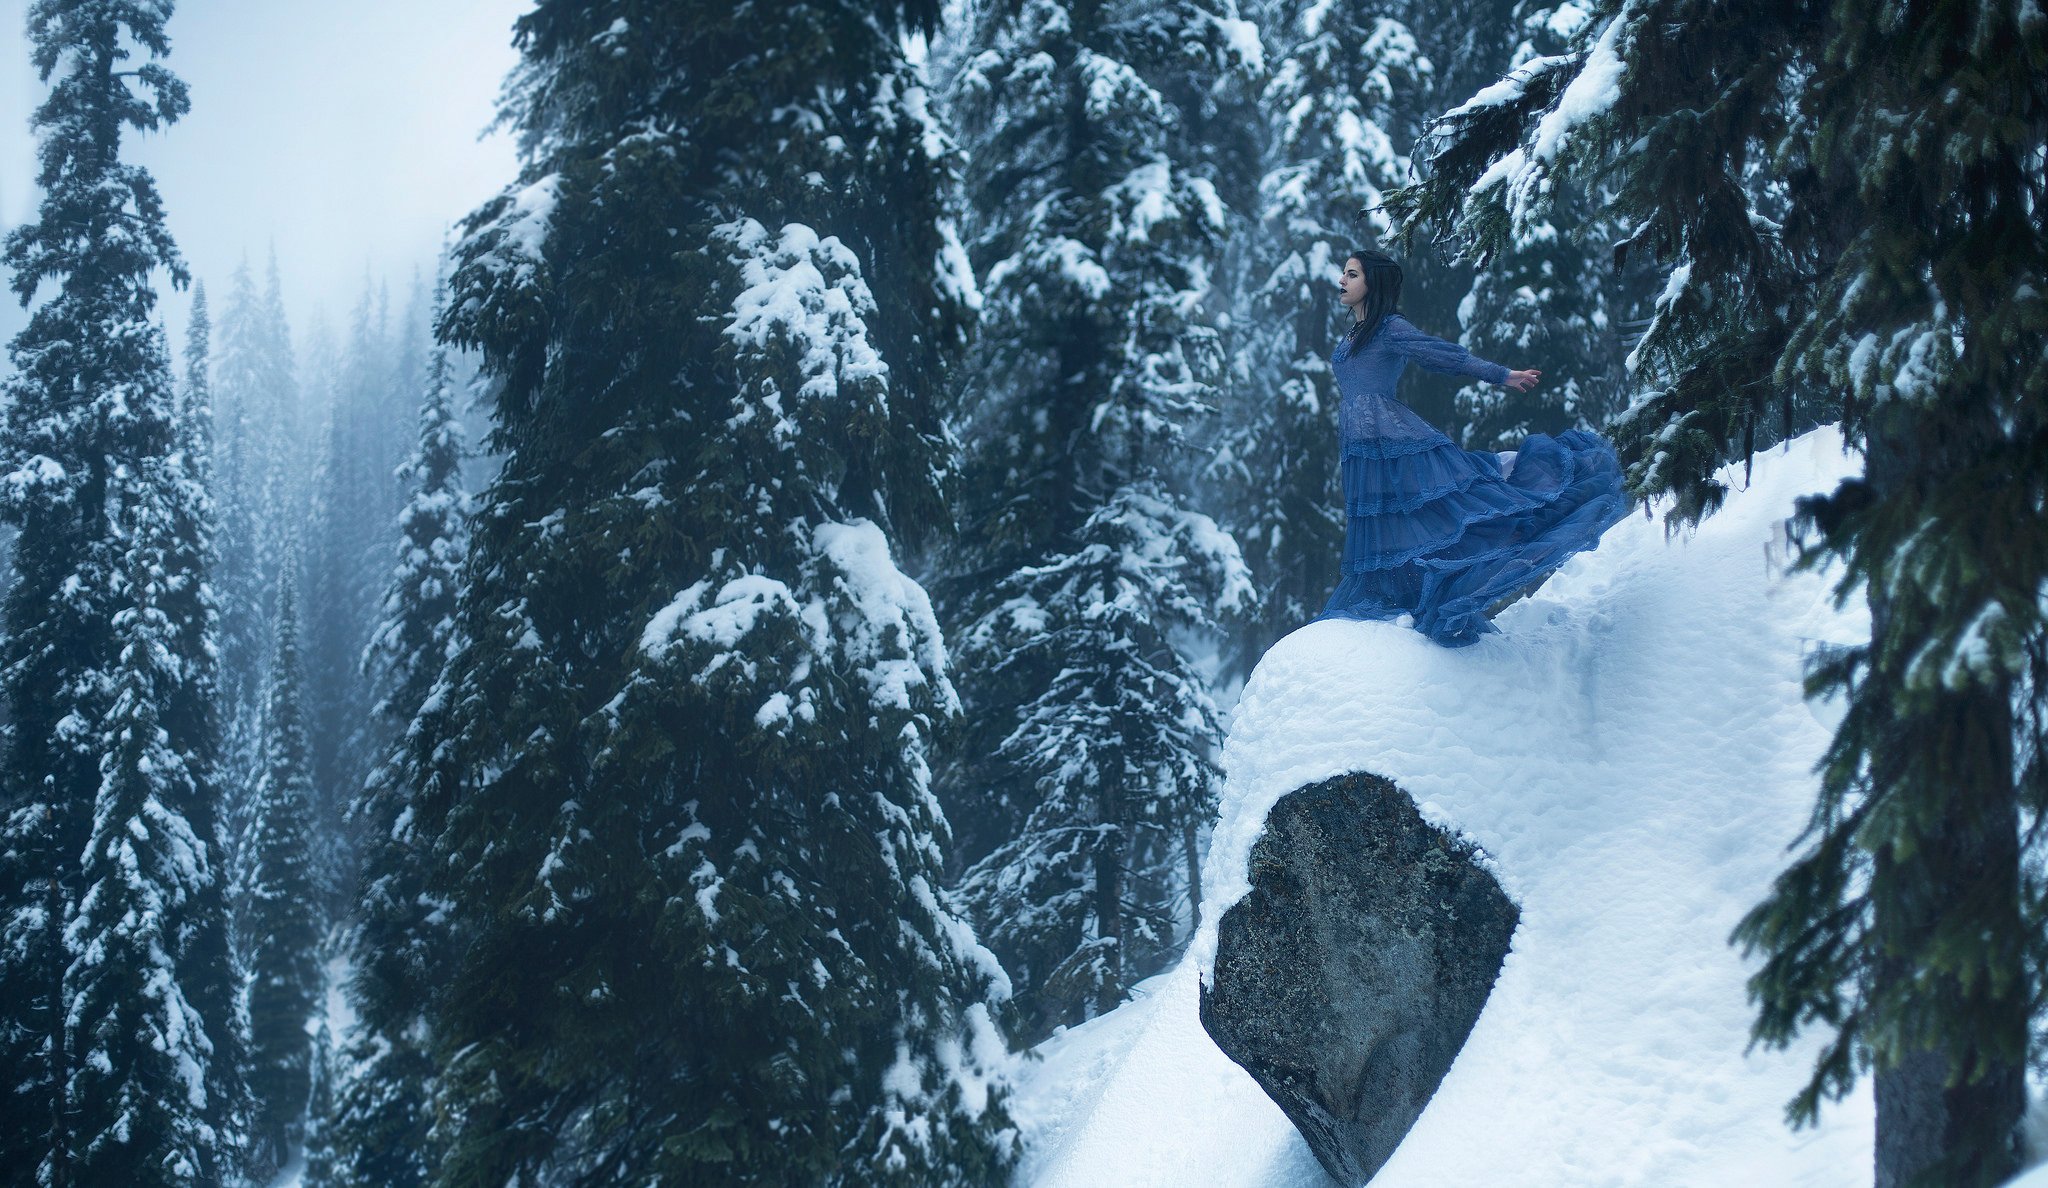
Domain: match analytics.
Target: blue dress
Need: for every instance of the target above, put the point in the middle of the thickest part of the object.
(1444, 533)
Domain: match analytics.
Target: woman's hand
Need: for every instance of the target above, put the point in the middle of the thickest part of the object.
(1522, 381)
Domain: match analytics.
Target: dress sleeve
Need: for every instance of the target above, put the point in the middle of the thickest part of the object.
(1437, 355)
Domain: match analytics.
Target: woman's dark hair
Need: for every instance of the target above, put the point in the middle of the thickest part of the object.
(1382, 294)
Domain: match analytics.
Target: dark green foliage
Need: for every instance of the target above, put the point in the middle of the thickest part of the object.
(117, 1014)
(1548, 305)
(380, 1129)
(1097, 224)
(135, 1099)
(1547, 300)
(1711, 121)
(278, 917)
(1466, 42)
(192, 710)
(671, 780)
(1080, 903)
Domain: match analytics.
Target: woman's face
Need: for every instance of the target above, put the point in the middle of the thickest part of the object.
(1351, 284)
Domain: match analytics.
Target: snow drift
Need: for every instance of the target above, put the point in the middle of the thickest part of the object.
(1634, 754)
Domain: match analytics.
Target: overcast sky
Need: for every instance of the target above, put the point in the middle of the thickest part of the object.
(345, 134)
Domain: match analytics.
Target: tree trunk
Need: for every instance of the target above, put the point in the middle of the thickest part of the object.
(1937, 1126)
(1931, 1132)
(60, 1071)
(1109, 917)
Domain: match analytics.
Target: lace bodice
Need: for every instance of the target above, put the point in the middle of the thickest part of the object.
(1366, 378)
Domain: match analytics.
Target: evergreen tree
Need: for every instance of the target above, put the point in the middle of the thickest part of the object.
(1079, 904)
(141, 1101)
(381, 1130)
(279, 919)
(117, 1019)
(1097, 237)
(1544, 297)
(287, 428)
(1338, 77)
(354, 500)
(257, 449)
(1903, 279)
(673, 779)
(194, 407)
(238, 395)
(1545, 304)
(321, 1168)
(193, 710)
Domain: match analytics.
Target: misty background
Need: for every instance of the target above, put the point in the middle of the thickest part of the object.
(350, 138)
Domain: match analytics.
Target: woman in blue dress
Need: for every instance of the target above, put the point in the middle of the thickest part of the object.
(1445, 535)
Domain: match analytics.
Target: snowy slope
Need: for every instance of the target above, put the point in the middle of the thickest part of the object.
(1635, 755)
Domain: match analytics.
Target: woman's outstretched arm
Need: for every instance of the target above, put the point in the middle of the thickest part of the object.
(1438, 355)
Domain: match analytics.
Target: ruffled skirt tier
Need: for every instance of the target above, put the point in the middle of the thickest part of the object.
(1442, 534)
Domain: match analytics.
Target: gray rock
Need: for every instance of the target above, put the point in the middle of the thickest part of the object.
(1349, 977)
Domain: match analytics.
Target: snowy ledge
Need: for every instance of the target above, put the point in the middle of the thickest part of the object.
(1634, 754)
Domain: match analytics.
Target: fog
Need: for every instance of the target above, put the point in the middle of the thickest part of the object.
(348, 137)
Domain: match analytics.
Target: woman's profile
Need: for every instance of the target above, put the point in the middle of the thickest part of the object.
(1440, 533)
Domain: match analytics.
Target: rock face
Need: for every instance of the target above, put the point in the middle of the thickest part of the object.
(1349, 977)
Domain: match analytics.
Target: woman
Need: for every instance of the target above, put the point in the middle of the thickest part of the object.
(1443, 534)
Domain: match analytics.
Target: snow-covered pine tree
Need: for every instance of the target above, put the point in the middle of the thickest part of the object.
(1337, 77)
(194, 407)
(409, 360)
(278, 917)
(1543, 304)
(380, 1133)
(1931, 319)
(258, 447)
(1081, 902)
(1545, 299)
(288, 425)
(1904, 276)
(354, 502)
(673, 778)
(239, 384)
(193, 710)
(1708, 357)
(1465, 43)
(117, 1014)
(137, 1101)
(1080, 570)
(257, 450)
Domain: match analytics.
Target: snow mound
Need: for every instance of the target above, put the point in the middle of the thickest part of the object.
(1634, 755)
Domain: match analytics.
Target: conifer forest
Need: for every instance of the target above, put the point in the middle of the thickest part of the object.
(699, 679)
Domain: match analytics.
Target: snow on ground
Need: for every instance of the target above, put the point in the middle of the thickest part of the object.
(1634, 754)
(293, 1173)
(341, 1025)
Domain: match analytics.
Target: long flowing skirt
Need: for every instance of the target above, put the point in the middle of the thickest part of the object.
(1444, 534)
